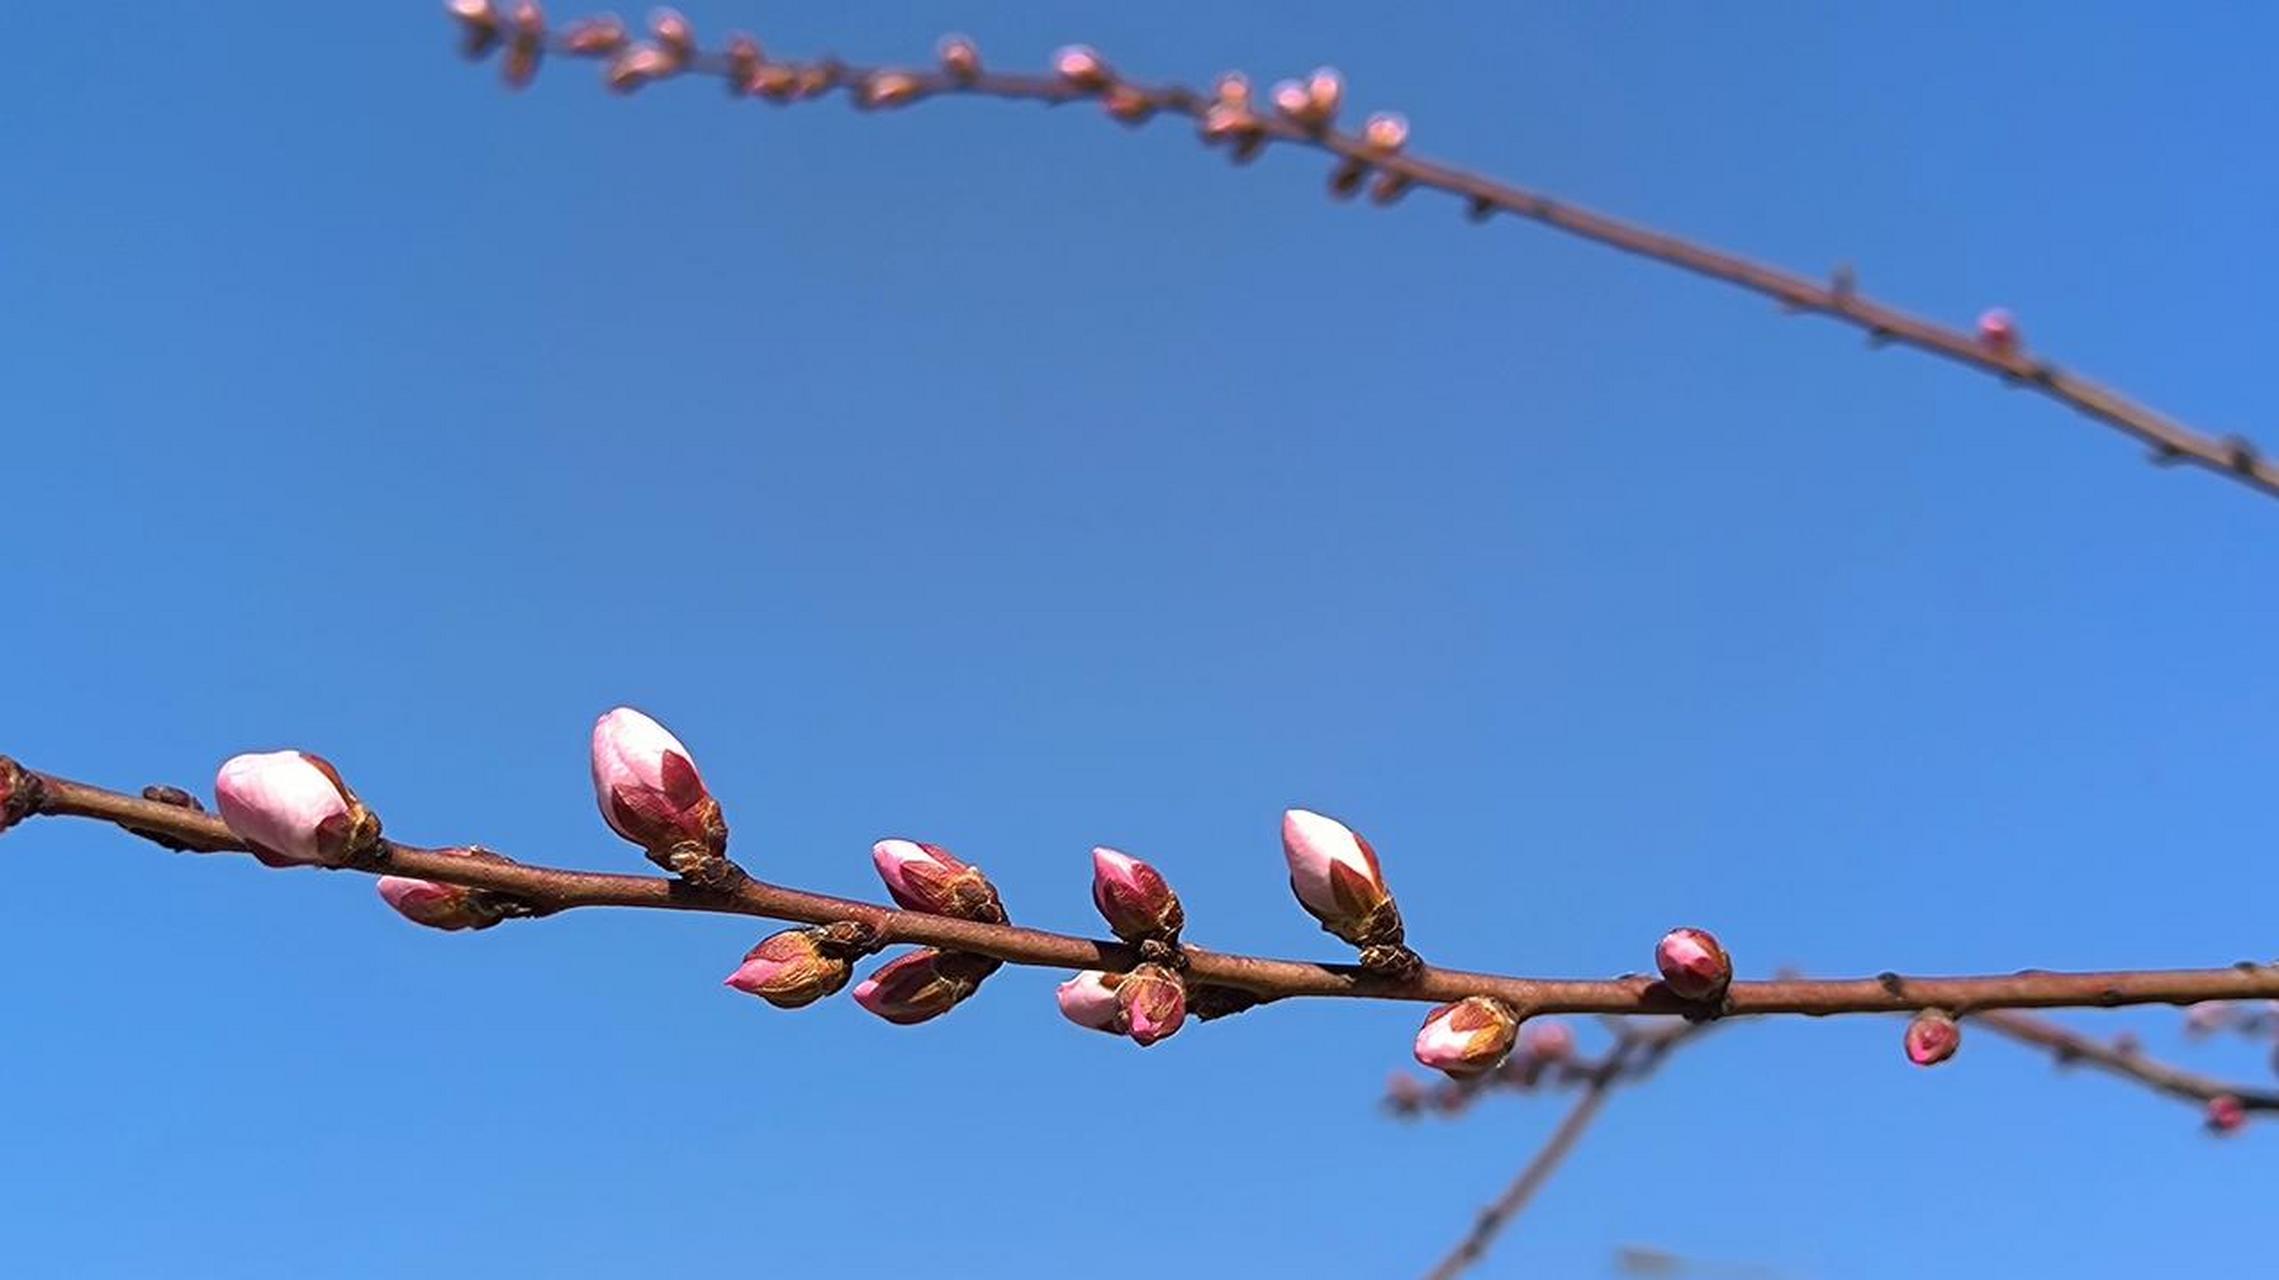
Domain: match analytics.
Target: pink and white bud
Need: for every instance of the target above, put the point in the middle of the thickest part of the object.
(648, 788)
(1548, 1041)
(1932, 1038)
(1472, 1035)
(1998, 332)
(2208, 1017)
(1335, 875)
(2226, 1114)
(1089, 1000)
(1081, 66)
(790, 969)
(1134, 898)
(929, 878)
(1154, 1001)
(448, 907)
(528, 42)
(1386, 131)
(1325, 92)
(592, 37)
(1232, 90)
(1223, 122)
(478, 25)
(637, 66)
(961, 58)
(921, 984)
(1127, 105)
(291, 808)
(888, 89)
(673, 35)
(1693, 966)
(744, 58)
(1291, 99)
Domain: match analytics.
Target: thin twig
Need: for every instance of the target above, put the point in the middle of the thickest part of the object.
(547, 890)
(2170, 442)
(2068, 1047)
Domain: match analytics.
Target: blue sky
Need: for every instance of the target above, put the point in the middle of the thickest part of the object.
(991, 476)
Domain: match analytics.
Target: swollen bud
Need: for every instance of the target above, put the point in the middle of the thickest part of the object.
(590, 37)
(1473, 1035)
(1089, 1000)
(929, 878)
(922, 984)
(291, 808)
(1335, 875)
(447, 907)
(478, 25)
(673, 35)
(2226, 1114)
(1548, 1041)
(1932, 1037)
(1082, 67)
(19, 793)
(1998, 332)
(1693, 966)
(961, 58)
(791, 969)
(528, 42)
(1154, 1003)
(1134, 899)
(649, 792)
(1386, 131)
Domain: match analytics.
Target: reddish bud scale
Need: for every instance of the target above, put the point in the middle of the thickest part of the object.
(1932, 1038)
(1134, 898)
(791, 969)
(648, 788)
(1335, 875)
(1154, 1003)
(1693, 965)
(929, 878)
(1468, 1037)
(922, 984)
(449, 907)
(18, 791)
(743, 59)
(1998, 332)
(2226, 1114)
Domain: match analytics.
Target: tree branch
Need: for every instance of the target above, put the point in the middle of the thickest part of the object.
(1395, 172)
(2068, 1047)
(547, 890)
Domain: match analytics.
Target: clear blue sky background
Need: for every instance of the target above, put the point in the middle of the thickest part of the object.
(992, 476)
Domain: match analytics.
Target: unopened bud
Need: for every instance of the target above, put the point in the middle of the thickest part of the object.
(649, 791)
(1089, 1000)
(1325, 91)
(673, 34)
(1291, 99)
(1472, 1035)
(1389, 187)
(2208, 1017)
(929, 878)
(1154, 1001)
(592, 37)
(19, 792)
(1386, 131)
(478, 25)
(775, 82)
(743, 59)
(1335, 875)
(1548, 1041)
(1128, 105)
(888, 89)
(1998, 332)
(291, 808)
(921, 984)
(529, 40)
(2226, 1114)
(637, 66)
(1134, 898)
(1932, 1037)
(438, 906)
(961, 58)
(791, 969)
(1693, 966)
(1082, 67)
(1346, 178)
(1223, 122)
(1232, 90)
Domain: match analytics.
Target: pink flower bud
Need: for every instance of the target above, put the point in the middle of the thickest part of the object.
(929, 878)
(637, 66)
(290, 807)
(1998, 332)
(590, 37)
(648, 788)
(1089, 1000)
(790, 969)
(1154, 1001)
(1548, 1041)
(2208, 1017)
(888, 89)
(1291, 99)
(673, 35)
(1386, 131)
(1932, 1038)
(2226, 1114)
(1223, 122)
(1133, 898)
(1325, 90)
(921, 984)
(744, 58)
(529, 40)
(1233, 90)
(1693, 966)
(478, 25)
(1334, 872)
(1082, 67)
(1127, 105)
(1472, 1035)
(961, 58)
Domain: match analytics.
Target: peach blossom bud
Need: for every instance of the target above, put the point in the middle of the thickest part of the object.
(743, 59)
(438, 906)
(1932, 1038)
(591, 37)
(19, 794)
(1127, 105)
(2208, 1017)
(1291, 99)
(1223, 122)
(1233, 90)
(1548, 1041)
(1335, 875)
(673, 34)
(529, 39)
(888, 89)
(648, 788)
(1472, 1035)
(478, 25)
(790, 969)
(1133, 898)
(2226, 1114)
(1693, 966)
(922, 984)
(1998, 332)
(929, 878)
(290, 807)
(1082, 67)
(775, 82)
(637, 66)
(1386, 131)
(1325, 90)
(1089, 1000)
(1154, 1001)
(961, 58)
